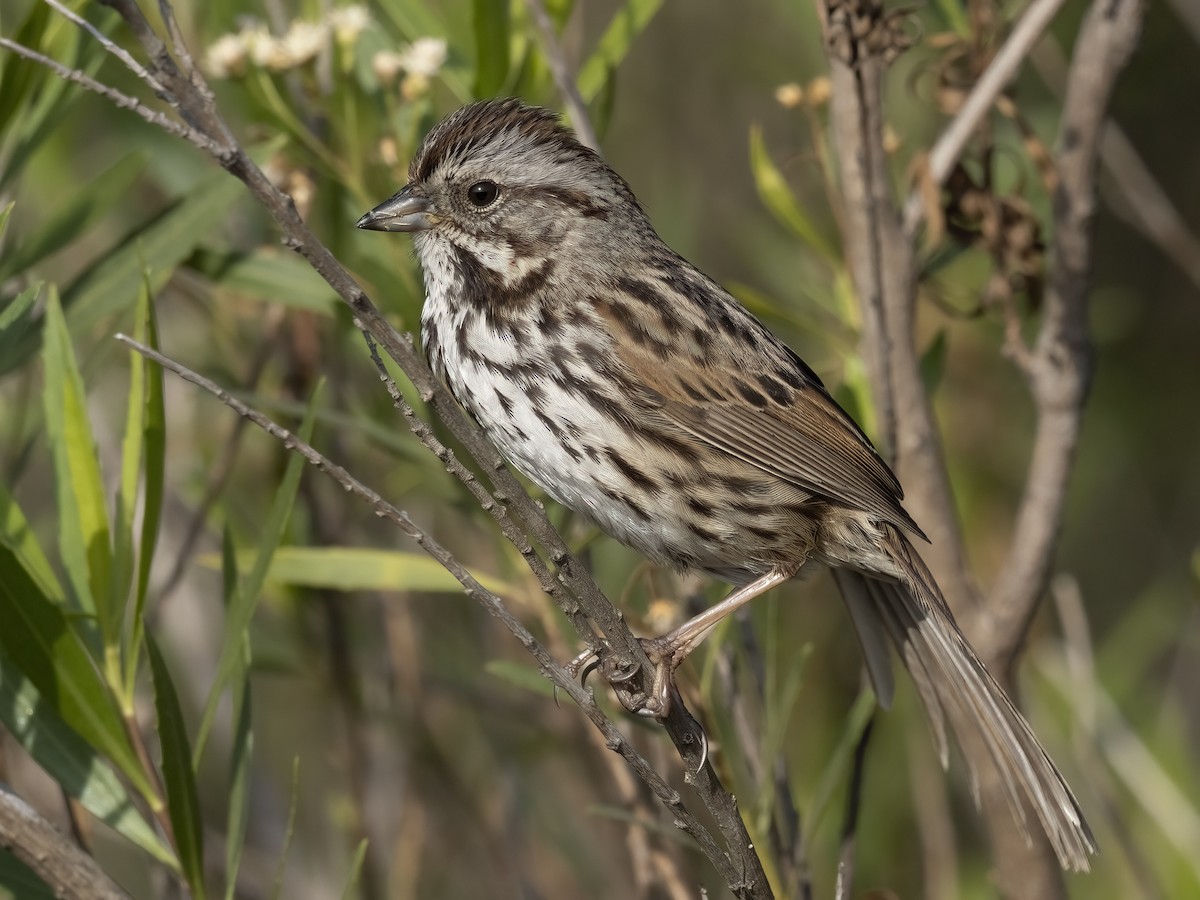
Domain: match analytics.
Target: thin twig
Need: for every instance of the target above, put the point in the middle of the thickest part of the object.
(844, 886)
(1140, 200)
(949, 147)
(567, 88)
(103, 40)
(1059, 369)
(119, 99)
(492, 602)
(54, 858)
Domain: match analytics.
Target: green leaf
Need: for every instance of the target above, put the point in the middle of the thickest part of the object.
(243, 736)
(183, 803)
(4, 214)
(86, 205)
(20, 76)
(17, 536)
(83, 518)
(113, 281)
(239, 784)
(148, 435)
(364, 569)
(614, 44)
(356, 864)
(38, 639)
(290, 832)
(490, 22)
(16, 319)
(241, 610)
(779, 199)
(70, 761)
(270, 273)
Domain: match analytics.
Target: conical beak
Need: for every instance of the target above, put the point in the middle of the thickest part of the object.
(406, 211)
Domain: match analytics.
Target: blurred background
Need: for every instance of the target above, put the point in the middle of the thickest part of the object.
(386, 706)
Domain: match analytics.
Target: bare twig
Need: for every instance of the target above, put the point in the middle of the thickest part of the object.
(844, 887)
(1059, 368)
(584, 605)
(881, 264)
(952, 142)
(1140, 199)
(54, 857)
(567, 88)
(614, 739)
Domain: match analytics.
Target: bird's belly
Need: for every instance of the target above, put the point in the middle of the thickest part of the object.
(704, 510)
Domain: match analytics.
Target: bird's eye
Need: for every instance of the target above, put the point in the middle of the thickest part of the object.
(483, 193)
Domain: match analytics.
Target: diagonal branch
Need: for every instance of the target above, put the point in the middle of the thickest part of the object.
(589, 611)
(64, 867)
(567, 88)
(490, 601)
(1001, 70)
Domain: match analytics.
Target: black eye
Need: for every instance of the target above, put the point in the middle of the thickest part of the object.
(483, 193)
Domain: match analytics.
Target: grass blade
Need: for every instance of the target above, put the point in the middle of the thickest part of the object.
(183, 803)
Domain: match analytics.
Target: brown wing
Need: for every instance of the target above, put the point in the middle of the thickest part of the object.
(768, 409)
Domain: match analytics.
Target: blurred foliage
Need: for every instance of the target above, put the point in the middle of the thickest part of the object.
(332, 717)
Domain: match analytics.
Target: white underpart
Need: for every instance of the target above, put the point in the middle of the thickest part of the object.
(519, 433)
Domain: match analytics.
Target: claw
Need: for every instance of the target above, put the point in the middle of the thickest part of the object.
(588, 670)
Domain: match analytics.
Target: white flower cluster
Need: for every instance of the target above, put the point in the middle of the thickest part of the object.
(253, 44)
(419, 62)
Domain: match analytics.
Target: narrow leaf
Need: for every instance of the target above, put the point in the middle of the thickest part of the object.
(153, 445)
(38, 639)
(239, 783)
(269, 273)
(614, 45)
(113, 282)
(490, 21)
(365, 569)
(15, 318)
(293, 805)
(84, 207)
(779, 199)
(183, 803)
(356, 864)
(70, 761)
(83, 519)
(522, 675)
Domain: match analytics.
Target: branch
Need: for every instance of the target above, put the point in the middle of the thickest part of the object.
(490, 601)
(881, 264)
(1001, 70)
(66, 869)
(1058, 368)
(185, 90)
(1141, 200)
(562, 76)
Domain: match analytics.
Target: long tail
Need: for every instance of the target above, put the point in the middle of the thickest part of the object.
(954, 685)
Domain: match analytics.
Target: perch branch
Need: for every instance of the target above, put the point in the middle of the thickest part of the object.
(66, 869)
(185, 90)
(490, 601)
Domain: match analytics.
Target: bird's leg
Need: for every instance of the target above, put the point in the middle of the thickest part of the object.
(668, 651)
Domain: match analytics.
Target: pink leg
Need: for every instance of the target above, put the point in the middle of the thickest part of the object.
(668, 651)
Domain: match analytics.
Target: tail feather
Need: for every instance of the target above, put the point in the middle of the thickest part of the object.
(954, 685)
